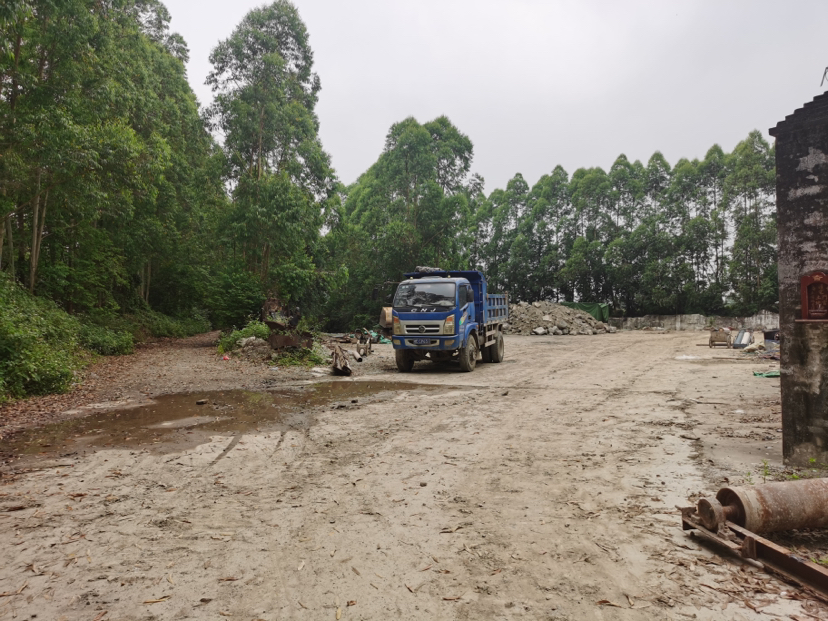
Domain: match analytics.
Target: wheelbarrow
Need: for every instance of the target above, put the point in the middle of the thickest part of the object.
(721, 337)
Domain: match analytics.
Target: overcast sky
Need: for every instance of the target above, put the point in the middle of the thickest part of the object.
(538, 83)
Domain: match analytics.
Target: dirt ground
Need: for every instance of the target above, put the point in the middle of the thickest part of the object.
(543, 487)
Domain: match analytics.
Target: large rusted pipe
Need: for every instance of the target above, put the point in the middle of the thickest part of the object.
(770, 507)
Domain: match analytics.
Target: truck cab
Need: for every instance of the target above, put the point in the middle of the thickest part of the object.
(443, 315)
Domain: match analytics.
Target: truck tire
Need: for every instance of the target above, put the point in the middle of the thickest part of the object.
(405, 362)
(468, 355)
(499, 348)
(486, 354)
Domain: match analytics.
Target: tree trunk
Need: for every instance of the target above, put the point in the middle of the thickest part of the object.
(38, 217)
(340, 362)
(2, 241)
(146, 275)
(10, 234)
(37, 243)
(265, 262)
(21, 248)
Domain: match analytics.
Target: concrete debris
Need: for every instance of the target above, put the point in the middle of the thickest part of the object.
(249, 341)
(541, 318)
(254, 348)
(756, 346)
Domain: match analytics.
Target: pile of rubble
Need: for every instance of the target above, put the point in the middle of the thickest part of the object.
(254, 348)
(550, 318)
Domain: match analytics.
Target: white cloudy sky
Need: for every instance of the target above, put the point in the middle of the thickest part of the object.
(538, 83)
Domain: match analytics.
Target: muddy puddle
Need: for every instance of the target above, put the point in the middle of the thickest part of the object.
(173, 422)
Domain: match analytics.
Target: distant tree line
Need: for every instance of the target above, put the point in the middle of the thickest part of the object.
(698, 237)
(119, 193)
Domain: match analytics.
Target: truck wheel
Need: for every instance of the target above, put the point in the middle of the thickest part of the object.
(404, 360)
(468, 355)
(499, 348)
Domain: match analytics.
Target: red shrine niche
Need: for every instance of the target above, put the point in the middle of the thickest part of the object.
(815, 296)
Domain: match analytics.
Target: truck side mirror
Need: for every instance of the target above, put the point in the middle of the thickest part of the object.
(375, 294)
(389, 299)
(469, 295)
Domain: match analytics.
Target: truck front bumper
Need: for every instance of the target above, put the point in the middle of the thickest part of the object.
(426, 343)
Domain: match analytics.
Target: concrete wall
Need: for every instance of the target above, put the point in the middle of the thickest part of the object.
(761, 321)
(802, 207)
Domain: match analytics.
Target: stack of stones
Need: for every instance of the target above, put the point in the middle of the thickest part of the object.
(539, 318)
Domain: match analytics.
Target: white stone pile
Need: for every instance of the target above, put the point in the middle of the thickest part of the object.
(539, 318)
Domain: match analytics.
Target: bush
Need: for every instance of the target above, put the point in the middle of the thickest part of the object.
(41, 346)
(229, 341)
(38, 344)
(106, 341)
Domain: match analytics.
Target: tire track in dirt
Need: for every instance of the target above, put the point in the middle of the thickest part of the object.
(462, 503)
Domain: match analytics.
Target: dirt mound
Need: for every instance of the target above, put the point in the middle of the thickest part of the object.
(549, 318)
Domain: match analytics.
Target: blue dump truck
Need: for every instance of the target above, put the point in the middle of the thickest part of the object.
(446, 315)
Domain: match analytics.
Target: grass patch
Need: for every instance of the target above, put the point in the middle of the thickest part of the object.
(300, 357)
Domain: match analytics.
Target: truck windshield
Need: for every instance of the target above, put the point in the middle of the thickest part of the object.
(423, 295)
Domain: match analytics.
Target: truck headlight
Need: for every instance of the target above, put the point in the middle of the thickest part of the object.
(448, 327)
(397, 326)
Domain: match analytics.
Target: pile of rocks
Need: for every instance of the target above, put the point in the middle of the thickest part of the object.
(549, 318)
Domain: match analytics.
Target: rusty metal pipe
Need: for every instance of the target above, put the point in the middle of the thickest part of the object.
(770, 507)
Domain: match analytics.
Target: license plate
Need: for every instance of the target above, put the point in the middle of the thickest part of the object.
(421, 341)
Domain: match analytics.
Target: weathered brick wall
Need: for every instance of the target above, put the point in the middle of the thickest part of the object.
(802, 205)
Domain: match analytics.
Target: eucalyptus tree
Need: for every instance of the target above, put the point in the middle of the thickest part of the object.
(627, 181)
(713, 171)
(281, 178)
(417, 205)
(749, 192)
(657, 181)
(508, 209)
(550, 216)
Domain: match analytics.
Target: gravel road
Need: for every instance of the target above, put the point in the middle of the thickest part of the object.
(543, 487)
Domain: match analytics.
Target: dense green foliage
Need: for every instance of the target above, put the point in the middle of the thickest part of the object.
(128, 211)
(699, 237)
(105, 340)
(106, 167)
